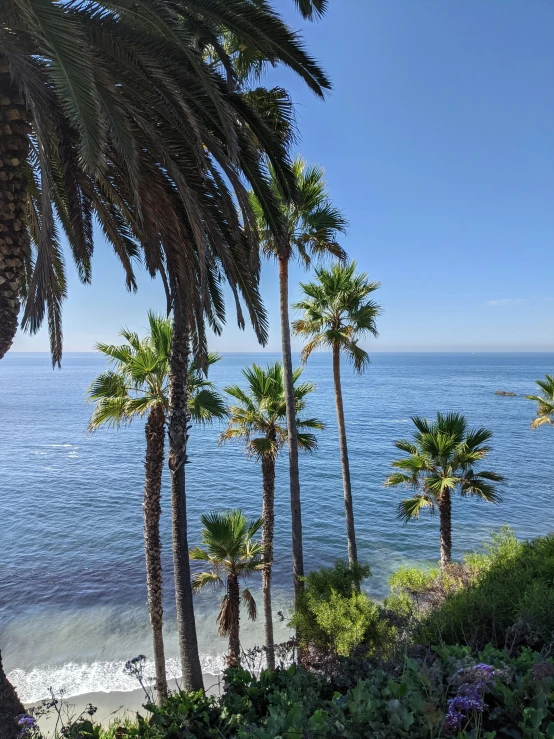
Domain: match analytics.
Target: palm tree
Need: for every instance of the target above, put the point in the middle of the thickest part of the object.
(231, 555)
(311, 225)
(116, 112)
(83, 93)
(545, 402)
(441, 460)
(259, 420)
(337, 314)
(137, 386)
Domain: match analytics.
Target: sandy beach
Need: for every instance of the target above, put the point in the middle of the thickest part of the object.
(114, 706)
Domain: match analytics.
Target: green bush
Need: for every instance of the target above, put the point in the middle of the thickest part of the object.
(334, 617)
(504, 596)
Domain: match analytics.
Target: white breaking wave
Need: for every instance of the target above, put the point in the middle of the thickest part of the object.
(74, 679)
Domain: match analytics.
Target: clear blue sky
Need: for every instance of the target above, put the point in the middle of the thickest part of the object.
(438, 144)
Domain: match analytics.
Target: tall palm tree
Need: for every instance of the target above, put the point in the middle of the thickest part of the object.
(545, 402)
(83, 92)
(259, 420)
(137, 386)
(116, 111)
(311, 227)
(231, 554)
(442, 457)
(337, 315)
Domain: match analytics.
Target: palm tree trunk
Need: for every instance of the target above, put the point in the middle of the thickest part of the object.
(348, 507)
(178, 434)
(155, 438)
(10, 707)
(234, 602)
(295, 506)
(14, 148)
(445, 515)
(268, 518)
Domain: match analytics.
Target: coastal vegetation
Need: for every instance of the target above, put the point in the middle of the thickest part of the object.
(337, 315)
(464, 653)
(147, 118)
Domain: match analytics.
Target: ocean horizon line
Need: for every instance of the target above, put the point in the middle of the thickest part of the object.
(319, 352)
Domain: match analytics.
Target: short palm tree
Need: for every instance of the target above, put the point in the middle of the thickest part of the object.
(258, 419)
(312, 225)
(137, 386)
(442, 457)
(337, 314)
(545, 402)
(231, 555)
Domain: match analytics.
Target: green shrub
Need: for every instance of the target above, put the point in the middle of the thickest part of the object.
(335, 617)
(504, 596)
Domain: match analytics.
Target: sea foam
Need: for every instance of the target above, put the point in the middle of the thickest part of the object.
(74, 679)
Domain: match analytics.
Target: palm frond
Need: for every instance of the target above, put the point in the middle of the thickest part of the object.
(412, 507)
(250, 604)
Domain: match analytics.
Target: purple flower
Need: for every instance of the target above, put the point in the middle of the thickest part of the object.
(470, 694)
(26, 721)
(484, 667)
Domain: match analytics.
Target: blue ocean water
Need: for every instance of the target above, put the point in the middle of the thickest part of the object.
(72, 592)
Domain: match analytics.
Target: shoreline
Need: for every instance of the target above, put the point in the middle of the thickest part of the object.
(117, 705)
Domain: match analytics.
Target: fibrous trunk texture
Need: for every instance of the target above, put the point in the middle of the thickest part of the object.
(14, 148)
(295, 506)
(233, 595)
(348, 506)
(445, 515)
(10, 707)
(155, 438)
(268, 519)
(178, 433)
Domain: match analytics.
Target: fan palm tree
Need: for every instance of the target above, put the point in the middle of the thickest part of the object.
(259, 420)
(337, 314)
(115, 111)
(137, 386)
(442, 457)
(545, 402)
(231, 554)
(312, 225)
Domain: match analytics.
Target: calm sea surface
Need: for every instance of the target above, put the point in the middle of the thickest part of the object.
(72, 592)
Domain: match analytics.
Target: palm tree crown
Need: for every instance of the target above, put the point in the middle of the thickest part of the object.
(259, 416)
(231, 554)
(338, 312)
(140, 380)
(311, 222)
(545, 402)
